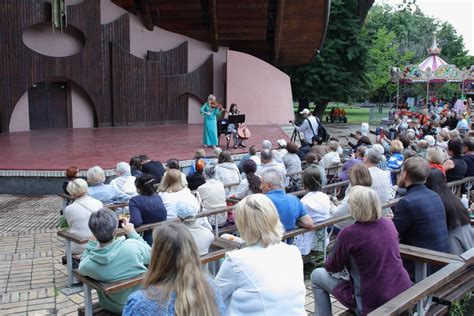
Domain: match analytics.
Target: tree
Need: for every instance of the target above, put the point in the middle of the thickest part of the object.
(337, 73)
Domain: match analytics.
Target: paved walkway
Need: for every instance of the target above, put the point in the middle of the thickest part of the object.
(31, 273)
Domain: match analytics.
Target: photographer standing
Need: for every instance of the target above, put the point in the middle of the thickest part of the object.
(309, 127)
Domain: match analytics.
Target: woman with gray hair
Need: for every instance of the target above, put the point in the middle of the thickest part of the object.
(212, 195)
(381, 179)
(77, 214)
(105, 193)
(109, 258)
(266, 277)
(124, 181)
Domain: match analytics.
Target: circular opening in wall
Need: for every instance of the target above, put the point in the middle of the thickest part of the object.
(41, 39)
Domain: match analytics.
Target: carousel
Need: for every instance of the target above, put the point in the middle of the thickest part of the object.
(432, 71)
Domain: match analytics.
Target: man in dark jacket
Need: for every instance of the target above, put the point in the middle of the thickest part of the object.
(155, 168)
(469, 155)
(420, 216)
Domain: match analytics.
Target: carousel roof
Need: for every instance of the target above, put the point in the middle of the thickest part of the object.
(432, 69)
(433, 62)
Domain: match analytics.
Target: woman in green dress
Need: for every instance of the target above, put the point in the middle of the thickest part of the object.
(210, 110)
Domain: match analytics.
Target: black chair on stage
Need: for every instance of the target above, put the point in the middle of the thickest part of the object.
(222, 128)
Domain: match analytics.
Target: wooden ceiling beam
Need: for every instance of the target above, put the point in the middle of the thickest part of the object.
(146, 15)
(213, 25)
(278, 28)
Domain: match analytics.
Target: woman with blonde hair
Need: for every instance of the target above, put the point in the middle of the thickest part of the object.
(172, 190)
(359, 175)
(176, 283)
(77, 214)
(266, 277)
(373, 258)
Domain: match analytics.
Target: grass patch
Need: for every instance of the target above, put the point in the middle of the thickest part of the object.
(355, 115)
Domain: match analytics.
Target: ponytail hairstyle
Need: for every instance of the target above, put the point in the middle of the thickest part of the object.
(250, 167)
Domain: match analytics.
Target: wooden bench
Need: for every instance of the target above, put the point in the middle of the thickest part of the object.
(72, 238)
(445, 285)
(221, 245)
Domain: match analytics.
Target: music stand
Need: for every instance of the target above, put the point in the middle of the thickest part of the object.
(236, 119)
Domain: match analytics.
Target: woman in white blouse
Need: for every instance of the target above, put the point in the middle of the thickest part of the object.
(77, 214)
(317, 204)
(172, 190)
(266, 278)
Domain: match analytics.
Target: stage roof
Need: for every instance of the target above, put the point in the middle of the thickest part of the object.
(277, 31)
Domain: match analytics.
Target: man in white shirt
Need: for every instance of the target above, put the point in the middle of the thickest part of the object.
(309, 127)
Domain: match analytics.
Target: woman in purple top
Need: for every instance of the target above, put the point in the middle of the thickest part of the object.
(372, 259)
(147, 207)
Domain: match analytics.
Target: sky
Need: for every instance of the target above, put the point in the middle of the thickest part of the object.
(460, 13)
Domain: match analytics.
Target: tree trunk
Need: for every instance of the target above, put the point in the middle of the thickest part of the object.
(320, 109)
(303, 104)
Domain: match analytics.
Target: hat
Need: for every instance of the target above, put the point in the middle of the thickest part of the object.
(184, 210)
(305, 111)
(281, 142)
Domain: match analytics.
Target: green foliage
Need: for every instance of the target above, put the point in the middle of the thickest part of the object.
(460, 307)
(338, 72)
(354, 63)
(63, 224)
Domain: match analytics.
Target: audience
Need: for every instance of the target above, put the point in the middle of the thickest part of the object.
(176, 283)
(203, 237)
(155, 168)
(106, 193)
(213, 196)
(251, 279)
(317, 204)
(332, 158)
(198, 155)
(173, 163)
(252, 154)
(312, 161)
(469, 155)
(196, 179)
(108, 258)
(460, 232)
(372, 281)
(71, 174)
(359, 176)
(381, 179)
(77, 214)
(455, 167)
(420, 216)
(435, 158)
(251, 183)
(124, 181)
(291, 160)
(147, 207)
(268, 163)
(266, 277)
(135, 166)
(289, 207)
(228, 173)
(172, 190)
(357, 158)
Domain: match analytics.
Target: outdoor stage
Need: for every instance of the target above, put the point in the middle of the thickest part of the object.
(55, 150)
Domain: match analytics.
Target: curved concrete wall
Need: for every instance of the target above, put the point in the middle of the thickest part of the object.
(20, 120)
(261, 91)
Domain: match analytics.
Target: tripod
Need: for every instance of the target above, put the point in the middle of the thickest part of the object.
(295, 134)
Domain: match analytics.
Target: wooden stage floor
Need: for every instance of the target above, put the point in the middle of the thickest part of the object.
(58, 149)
